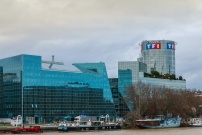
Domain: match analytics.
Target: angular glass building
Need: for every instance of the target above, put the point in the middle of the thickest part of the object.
(28, 89)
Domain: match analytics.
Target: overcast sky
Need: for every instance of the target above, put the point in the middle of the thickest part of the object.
(78, 31)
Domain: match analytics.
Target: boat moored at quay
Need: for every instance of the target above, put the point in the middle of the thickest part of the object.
(195, 122)
(88, 123)
(159, 122)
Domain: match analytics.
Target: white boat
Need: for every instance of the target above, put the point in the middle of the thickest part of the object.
(88, 123)
(195, 122)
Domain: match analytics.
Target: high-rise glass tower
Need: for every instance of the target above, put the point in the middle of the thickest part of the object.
(159, 55)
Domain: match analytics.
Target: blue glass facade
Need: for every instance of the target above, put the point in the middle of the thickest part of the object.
(119, 101)
(52, 94)
(11, 87)
(125, 80)
(128, 73)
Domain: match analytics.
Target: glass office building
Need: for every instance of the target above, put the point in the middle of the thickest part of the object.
(159, 55)
(128, 73)
(119, 101)
(156, 55)
(48, 94)
(170, 83)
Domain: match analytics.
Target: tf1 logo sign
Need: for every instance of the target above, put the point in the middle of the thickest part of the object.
(171, 46)
(153, 46)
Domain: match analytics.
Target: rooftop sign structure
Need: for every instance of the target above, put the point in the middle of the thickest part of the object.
(52, 62)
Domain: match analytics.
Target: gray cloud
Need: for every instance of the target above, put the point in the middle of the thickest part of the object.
(102, 30)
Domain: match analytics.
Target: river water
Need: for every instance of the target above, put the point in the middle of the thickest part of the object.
(167, 131)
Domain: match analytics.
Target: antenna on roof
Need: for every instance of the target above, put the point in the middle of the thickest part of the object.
(52, 62)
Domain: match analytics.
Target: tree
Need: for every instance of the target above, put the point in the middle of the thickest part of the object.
(167, 76)
(173, 77)
(147, 100)
(131, 118)
(180, 78)
(155, 73)
(133, 95)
